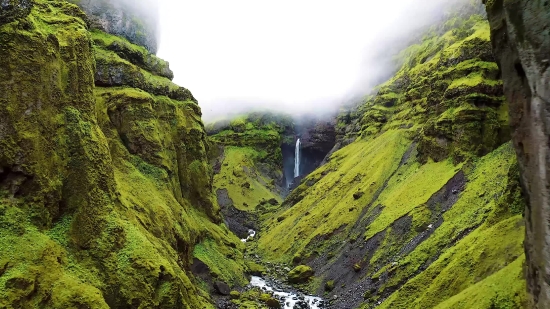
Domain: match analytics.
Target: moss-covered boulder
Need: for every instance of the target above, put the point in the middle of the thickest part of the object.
(329, 285)
(300, 274)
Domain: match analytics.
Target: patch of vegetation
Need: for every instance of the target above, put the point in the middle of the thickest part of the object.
(329, 204)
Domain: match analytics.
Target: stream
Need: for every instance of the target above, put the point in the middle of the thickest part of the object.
(289, 300)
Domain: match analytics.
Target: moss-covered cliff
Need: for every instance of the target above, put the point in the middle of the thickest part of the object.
(105, 192)
(521, 41)
(423, 208)
(247, 157)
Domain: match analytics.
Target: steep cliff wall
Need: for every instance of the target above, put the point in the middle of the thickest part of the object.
(105, 187)
(521, 42)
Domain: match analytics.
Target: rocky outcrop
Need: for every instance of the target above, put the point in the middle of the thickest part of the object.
(134, 20)
(521, 41)
(317, 137)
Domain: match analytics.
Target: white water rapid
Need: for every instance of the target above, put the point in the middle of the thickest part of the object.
(288, 300)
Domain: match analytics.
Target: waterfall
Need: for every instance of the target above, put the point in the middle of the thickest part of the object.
(297, 159)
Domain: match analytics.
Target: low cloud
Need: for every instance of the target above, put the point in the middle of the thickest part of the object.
(296, 57)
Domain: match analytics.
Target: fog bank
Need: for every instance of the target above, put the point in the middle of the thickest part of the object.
(292, 56)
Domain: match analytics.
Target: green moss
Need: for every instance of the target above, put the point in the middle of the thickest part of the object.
(486, 250)
(255, 268)
(225, 262)
(240, 175)
(412, 188)
(300, 274)
(472, 80)
(135, 54)
(329, 204)
(504, 289)
(446, 70)
(252, 299)
(114, 71)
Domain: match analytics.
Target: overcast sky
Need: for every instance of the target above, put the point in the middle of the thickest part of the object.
(295, 56)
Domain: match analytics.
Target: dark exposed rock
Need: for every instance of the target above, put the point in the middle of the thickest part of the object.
(239, 222)
(11, 10)
(273, 303)
(317, 137)
(135, 21)
(222, 288)
(521, 41)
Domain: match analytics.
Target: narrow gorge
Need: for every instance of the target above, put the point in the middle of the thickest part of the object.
(428, 192)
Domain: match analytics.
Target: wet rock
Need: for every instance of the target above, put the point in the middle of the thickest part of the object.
(222, 288)
(273, 303)
(521, 41)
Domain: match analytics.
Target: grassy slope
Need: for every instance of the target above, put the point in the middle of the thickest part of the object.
(329, 204)
(474, 258)
(238, 168)
(493, 245)
(252, 158)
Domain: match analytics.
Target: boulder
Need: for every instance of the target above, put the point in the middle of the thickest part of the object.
(329, 285)
(273, 303)
(300, 274)
(222, 288)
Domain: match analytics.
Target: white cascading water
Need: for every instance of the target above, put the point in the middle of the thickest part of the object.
(297, 159)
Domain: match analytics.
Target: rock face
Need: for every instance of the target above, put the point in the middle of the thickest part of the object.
(133, 20)
(105, 185)
(521, 43)
(317, 137)
(13, 9)
(222, 288)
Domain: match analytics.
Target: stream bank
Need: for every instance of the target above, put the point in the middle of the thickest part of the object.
(268, 287)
